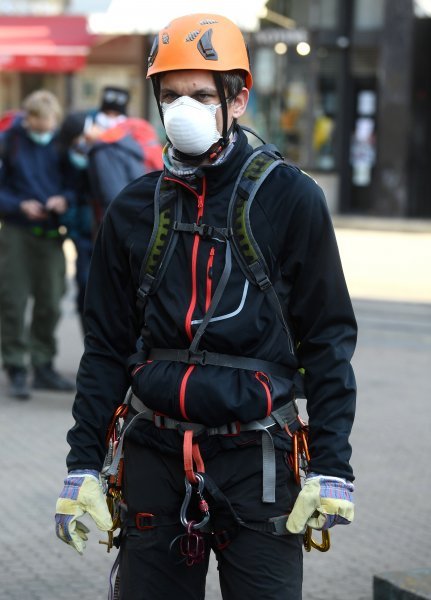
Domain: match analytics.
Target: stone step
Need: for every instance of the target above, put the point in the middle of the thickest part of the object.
(403, 585)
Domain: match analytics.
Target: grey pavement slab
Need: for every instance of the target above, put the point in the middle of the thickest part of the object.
(403, 585)
(391, 444)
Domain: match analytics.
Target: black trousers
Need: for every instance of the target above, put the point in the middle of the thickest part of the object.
(254, 565)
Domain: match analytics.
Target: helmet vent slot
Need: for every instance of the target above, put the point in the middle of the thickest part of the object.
(192, 35)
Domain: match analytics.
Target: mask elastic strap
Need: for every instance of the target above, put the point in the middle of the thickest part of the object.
(156, 89)
(222, 95)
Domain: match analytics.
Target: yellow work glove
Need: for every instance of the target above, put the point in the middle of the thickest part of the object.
(322, 503)
(82, 493)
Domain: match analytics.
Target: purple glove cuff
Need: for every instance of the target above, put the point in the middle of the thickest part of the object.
(336, 489)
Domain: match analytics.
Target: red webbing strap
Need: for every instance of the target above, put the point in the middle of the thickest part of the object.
(197, 457)
(191, 453)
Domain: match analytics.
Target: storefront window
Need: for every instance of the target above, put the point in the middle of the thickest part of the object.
(295, 104)
(324, 14)
(324, 130)
(369, 14)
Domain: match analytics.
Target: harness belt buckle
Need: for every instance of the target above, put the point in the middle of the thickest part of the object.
(197, 358)
(234, 429)
(159, 421)
(144, 521)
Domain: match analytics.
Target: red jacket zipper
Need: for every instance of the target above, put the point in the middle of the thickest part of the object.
(209, 278)
(188, 321)
(201, 199)
(264, 380)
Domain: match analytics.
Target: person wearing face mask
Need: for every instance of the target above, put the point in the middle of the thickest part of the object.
(113, 107)
(113, 147)
(35, 191)
(209, 333)
(79, 220)
(106, 157)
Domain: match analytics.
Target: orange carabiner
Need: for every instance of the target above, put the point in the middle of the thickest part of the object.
(299, 449)
(310, 543)
(120, 413)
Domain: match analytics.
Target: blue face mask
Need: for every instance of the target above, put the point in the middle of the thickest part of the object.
(40, 137)
(78, 160)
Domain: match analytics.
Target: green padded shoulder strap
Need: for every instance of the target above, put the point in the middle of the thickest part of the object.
(253, 173)
(245, 248)
(167, 210)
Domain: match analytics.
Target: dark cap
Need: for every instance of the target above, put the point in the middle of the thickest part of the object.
(72, 127)
(115, 98)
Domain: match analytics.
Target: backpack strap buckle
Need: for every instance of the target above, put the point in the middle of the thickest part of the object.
(260, 276)
(197, 357)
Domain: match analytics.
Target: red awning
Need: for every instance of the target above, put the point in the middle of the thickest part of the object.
(60, 44)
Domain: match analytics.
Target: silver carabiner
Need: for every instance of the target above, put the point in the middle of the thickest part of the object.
(203, 506)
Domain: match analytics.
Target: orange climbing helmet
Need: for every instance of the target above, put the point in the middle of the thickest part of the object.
(200, 41)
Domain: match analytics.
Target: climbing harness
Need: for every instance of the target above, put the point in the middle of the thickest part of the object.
(191, 543)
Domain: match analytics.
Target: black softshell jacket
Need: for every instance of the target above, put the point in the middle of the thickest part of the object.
(291, 223)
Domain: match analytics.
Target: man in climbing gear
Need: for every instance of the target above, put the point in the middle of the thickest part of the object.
(216, 297)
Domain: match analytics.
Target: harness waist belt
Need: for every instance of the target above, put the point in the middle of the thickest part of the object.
(285, 415)
(203, 357)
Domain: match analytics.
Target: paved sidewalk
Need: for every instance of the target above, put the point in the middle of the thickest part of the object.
(390, 440)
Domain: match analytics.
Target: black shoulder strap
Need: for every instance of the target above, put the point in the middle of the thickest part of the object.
(245, 248)
(167, 210)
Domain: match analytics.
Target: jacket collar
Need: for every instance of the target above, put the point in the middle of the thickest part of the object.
(220, 174)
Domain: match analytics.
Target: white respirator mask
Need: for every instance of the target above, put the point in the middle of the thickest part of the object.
(106, 122)
(190, 125)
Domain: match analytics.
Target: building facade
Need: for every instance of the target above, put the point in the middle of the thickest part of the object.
(343, 87)
(345, 91)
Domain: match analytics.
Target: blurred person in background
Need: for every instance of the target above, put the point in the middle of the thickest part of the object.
(222, 323)
(79, 220)
(108, 149)
(113, 147)
(35, 191)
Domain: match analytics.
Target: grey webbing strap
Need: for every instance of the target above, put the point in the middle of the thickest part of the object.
(285, 415)
(204, 357)
(268, 466)
(113, 468)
